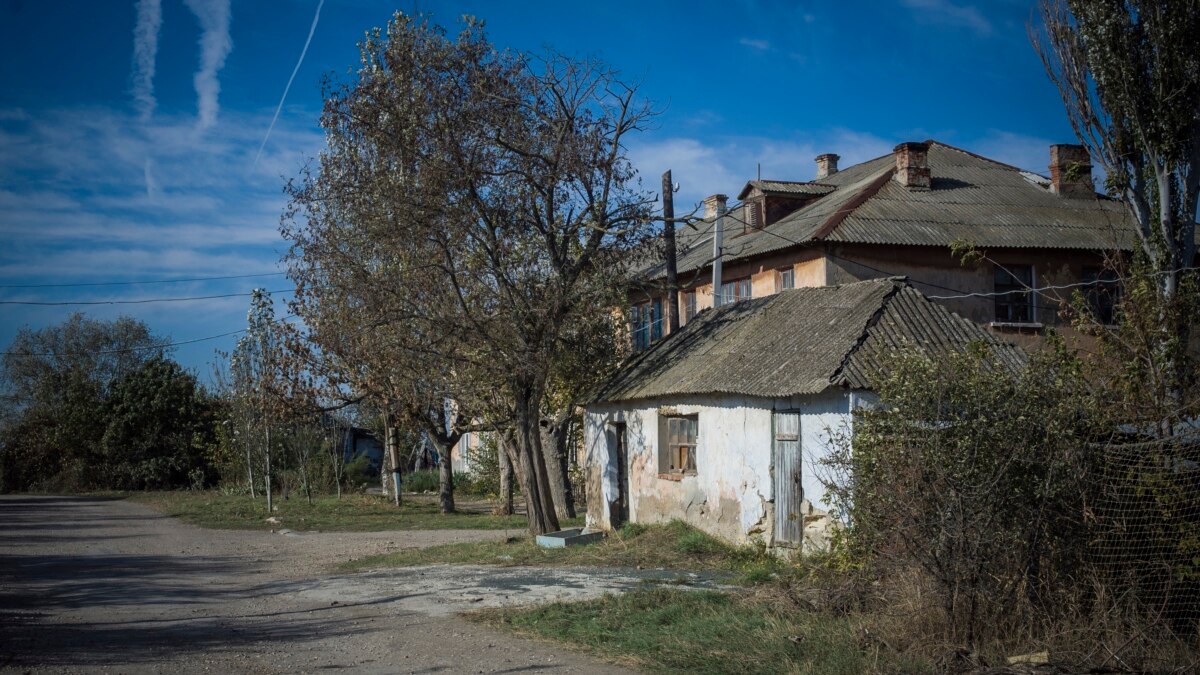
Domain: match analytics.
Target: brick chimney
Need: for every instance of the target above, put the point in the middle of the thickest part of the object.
(826, 165)
(912, 165)
(714, 204)
(1071, 171)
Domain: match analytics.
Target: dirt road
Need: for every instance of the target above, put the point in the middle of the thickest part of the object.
(94, 585)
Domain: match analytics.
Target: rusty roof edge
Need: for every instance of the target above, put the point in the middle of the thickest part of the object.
(858, 200)
(898, 283)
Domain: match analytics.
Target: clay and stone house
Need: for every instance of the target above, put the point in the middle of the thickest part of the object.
(902, 215)
(724, 423)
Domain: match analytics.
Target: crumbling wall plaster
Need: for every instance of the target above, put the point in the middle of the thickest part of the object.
(729, 493)
(732, 493)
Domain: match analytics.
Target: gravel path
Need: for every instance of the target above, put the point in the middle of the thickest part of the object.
(95, 585)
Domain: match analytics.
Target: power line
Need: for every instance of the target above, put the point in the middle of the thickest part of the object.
(134, 302)
(129, 350)
(148, 281)
(834, 255)
(1063, 287)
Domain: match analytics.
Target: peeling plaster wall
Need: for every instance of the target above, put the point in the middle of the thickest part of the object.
(732, 493)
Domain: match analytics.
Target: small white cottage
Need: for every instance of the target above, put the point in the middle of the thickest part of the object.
(723, 424)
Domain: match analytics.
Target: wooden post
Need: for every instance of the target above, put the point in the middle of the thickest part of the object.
(392, 446)
(668, 198)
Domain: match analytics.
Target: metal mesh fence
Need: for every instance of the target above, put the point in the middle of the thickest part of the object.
(1144, 550)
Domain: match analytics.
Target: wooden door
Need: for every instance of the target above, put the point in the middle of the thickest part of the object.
(619, 509)
(789, 494)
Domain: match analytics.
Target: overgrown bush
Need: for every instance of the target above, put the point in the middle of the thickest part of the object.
(485, 467)
(425, 480)
(359, 471)
(996, 510)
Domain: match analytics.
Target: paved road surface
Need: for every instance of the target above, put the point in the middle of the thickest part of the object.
(94, 585)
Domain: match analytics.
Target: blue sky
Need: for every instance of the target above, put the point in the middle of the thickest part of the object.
(130, 129)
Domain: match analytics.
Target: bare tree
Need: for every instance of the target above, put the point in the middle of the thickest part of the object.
(472, 207)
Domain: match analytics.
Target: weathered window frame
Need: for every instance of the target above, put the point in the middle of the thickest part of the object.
(786, 278)
(1103, 293)
(732, 290)
(678, 439)
(690, 307)
(645, 324)
(1014, 301)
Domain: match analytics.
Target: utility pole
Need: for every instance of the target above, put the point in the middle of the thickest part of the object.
(391, 442)
(718, 244)
(668, 197)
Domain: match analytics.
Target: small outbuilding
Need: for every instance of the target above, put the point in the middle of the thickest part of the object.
(724, 423)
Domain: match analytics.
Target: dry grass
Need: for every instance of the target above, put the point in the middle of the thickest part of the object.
(327, 513)
(671, 546)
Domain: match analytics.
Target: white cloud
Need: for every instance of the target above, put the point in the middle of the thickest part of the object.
(215, 45)
(724, 165)
(145, 51)
(948, 13)
(98, 193)
(753, 43)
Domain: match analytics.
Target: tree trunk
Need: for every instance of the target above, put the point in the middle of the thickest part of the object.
(503, 443)
(267, 476)
(530, 464)
(392, 443)
(554, 445)
(250, 469)
(446, 481)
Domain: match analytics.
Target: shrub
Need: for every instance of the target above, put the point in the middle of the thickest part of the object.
(425, 480)
(359, 471)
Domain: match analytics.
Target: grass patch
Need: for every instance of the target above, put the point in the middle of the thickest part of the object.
(675, 545)
(671, 630)
(351, 513)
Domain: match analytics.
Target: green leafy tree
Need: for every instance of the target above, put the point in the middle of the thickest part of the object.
(159, 423)
(56, 382)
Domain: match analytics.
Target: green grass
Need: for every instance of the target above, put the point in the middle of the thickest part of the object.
(351, 513)
(671, 546)
(689, 631)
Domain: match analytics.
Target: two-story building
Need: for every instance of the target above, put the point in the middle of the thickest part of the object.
(909, 213)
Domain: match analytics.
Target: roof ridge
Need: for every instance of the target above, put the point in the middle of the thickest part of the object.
(978, 156)
(898, 283)
(864, 193)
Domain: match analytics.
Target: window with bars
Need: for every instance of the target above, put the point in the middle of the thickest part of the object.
(677, 444)
(736, 290)
(689, 305)
(1014, 301)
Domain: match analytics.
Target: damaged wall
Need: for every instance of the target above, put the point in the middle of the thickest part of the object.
(732, 493)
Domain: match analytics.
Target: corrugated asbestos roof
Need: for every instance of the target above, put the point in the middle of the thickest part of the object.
(787, 187)
(798, 341)
(972, 199)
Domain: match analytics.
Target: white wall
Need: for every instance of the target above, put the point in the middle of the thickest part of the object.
(732, 493)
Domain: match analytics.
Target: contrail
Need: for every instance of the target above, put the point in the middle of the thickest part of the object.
(145, 50)
(312, 29)
(215, 44)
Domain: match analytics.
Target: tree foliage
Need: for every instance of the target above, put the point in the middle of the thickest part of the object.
(97, 404)
(471, 210)
(1129, 74)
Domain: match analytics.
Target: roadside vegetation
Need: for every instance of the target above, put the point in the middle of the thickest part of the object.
(674, 546)
(694, 631)
(326, 513)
